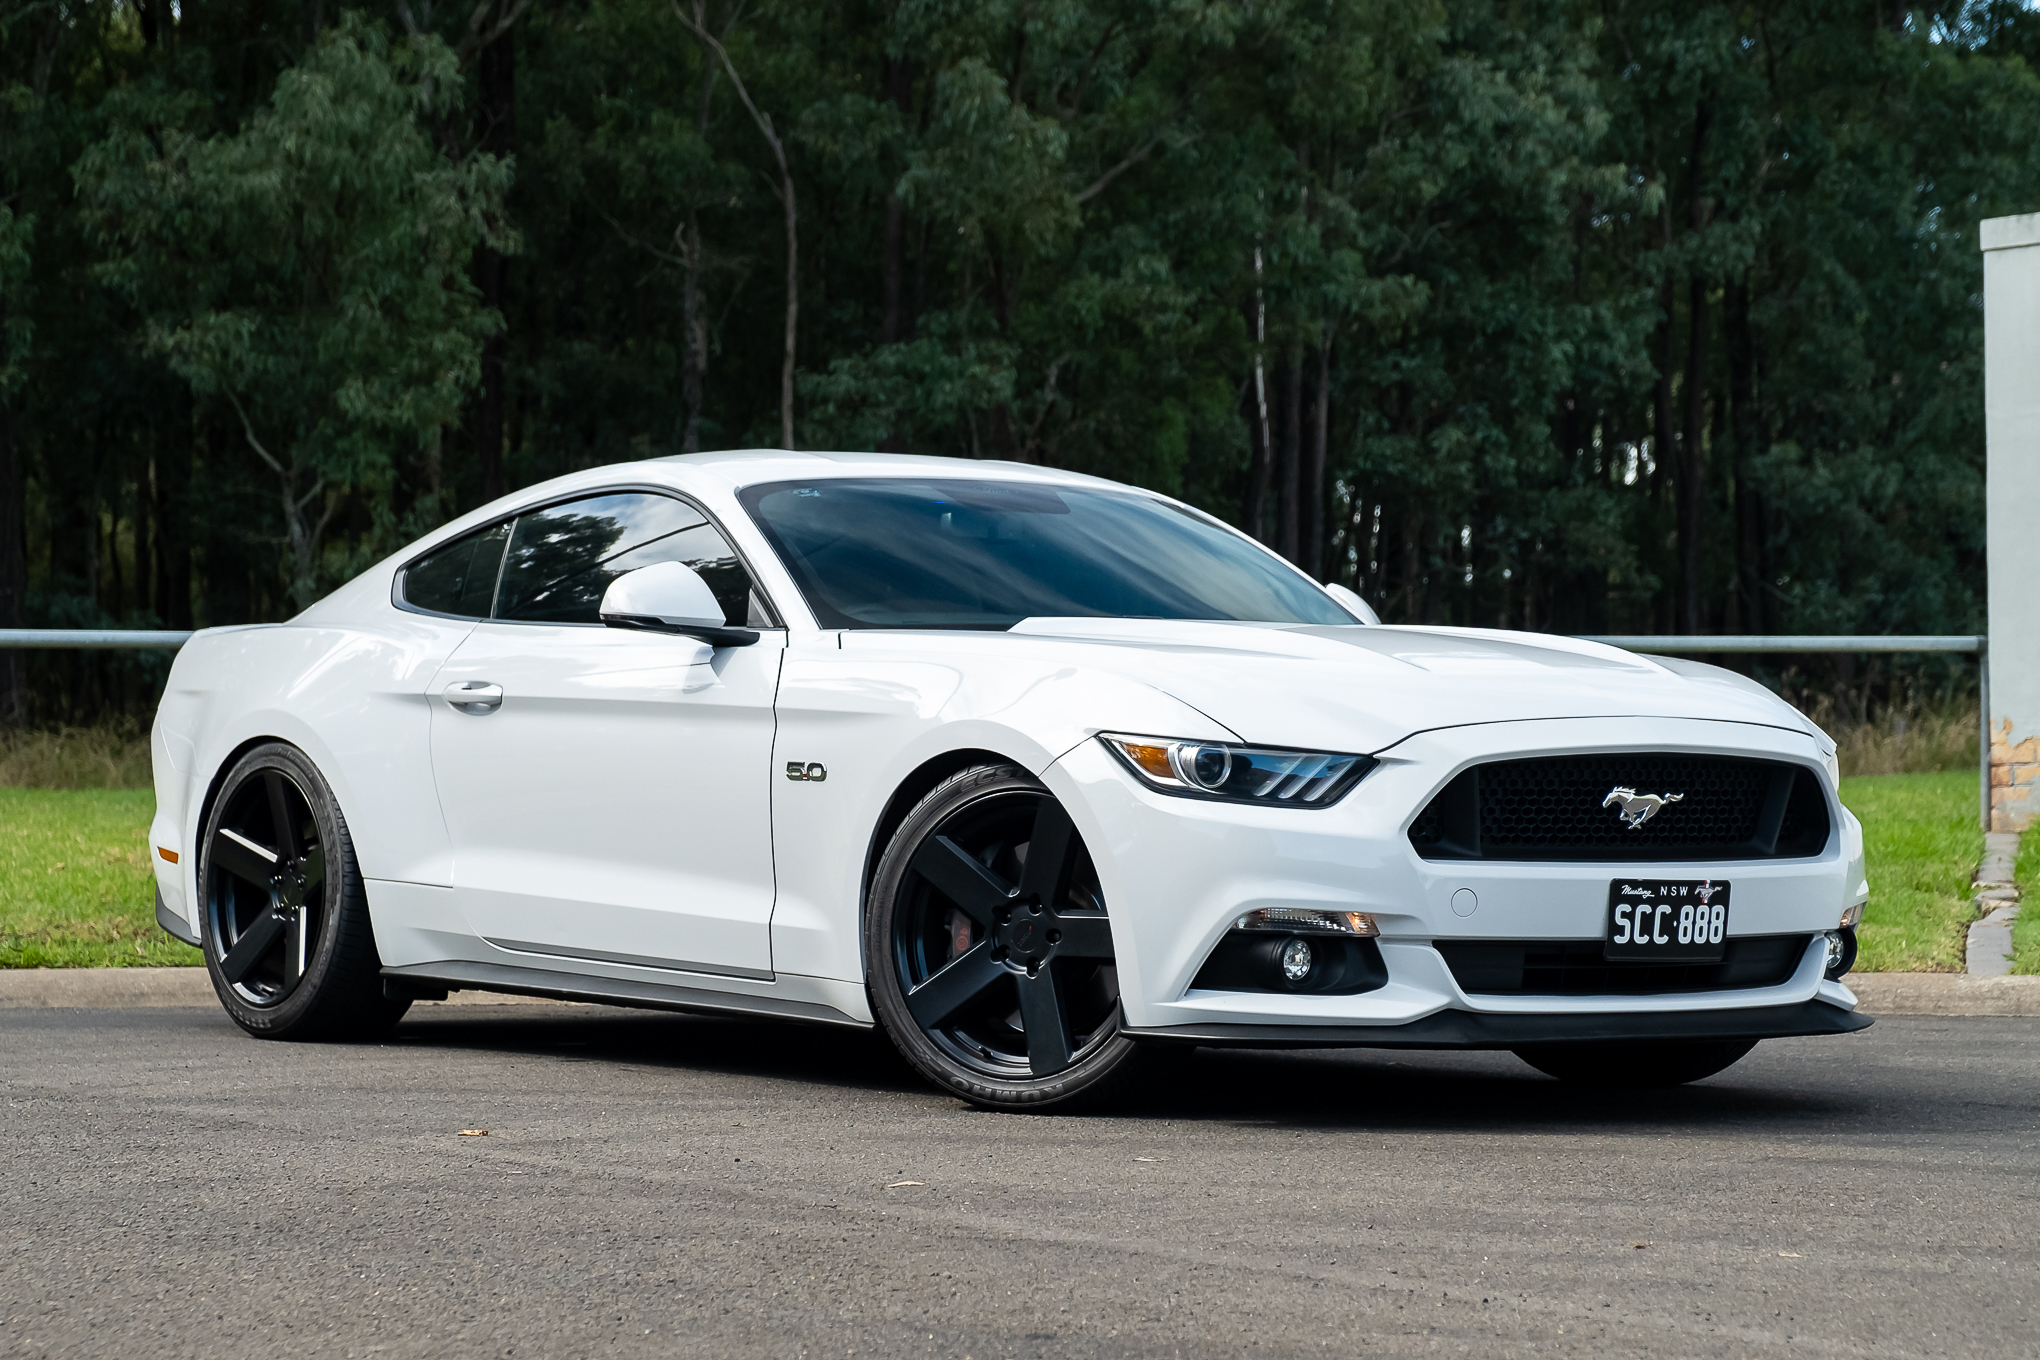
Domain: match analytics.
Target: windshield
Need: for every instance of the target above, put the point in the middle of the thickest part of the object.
(910, 553)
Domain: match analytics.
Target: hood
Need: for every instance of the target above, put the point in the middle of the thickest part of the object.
(1367, 687)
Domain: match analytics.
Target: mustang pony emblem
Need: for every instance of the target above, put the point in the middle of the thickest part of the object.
(1638, 808)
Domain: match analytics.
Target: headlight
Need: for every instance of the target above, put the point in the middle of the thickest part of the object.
(1239, 774)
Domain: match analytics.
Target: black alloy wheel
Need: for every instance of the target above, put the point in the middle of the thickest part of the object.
(287, 935)
(990, 948)
(1636, 1065)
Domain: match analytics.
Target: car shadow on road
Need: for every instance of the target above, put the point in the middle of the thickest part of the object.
(1468, 1092)
(1345, 1089)
(822, 1054)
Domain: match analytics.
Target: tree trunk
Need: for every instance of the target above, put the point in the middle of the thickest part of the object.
(1314, 470)
(1664, 444)
(1264, 444)
(786, 362)
(1693, 461)
(1289, 380)
(895, 250)
(13, 568)
(1742, 415)
(694, 319)
(496, 71)
(899, 83)
(1253, 505)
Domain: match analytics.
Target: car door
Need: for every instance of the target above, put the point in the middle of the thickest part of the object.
(606, 790)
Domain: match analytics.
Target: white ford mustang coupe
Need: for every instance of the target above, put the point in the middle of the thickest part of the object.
(1032, 770)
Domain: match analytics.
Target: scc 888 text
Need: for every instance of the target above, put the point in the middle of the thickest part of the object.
(1702, 924)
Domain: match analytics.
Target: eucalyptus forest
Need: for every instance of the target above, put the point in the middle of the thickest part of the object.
(1587, 316)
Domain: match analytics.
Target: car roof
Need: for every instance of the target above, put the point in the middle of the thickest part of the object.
(748, 467)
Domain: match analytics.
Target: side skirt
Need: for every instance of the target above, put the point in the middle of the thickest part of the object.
(172, 923)
(498, 977)
(1469, 1029)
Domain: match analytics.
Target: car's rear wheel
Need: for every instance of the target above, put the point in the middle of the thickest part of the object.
(1636, 1064)
(990, 950)
(287, 935)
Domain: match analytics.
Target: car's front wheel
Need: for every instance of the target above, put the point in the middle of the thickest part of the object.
(1636, 1064)
(287, 935)
(989, 947)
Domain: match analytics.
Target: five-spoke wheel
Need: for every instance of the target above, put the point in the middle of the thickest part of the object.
(992, 947)
(287, 935)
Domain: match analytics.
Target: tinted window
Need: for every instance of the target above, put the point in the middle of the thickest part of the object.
(563, 558)
(461, 577)
(887, 553)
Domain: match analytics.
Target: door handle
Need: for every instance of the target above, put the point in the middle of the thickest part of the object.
(475, 696)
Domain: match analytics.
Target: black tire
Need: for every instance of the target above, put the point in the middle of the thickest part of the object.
(287, 935)
(1636, 1064)
(996, 984)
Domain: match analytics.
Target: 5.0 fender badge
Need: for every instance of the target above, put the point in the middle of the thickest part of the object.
(811, 772)
(1638, 808)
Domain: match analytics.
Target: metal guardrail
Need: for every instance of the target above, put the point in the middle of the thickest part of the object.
(96, 639)
(1681, 644)
(1665, 644)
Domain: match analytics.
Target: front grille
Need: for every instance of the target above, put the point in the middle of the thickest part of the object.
(1576, 968)
(1556, 807)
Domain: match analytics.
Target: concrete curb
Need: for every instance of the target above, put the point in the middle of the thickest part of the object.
(1944, 994)
(1989, 952)
(130, 988)
(136, 988)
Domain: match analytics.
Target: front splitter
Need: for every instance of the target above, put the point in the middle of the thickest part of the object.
(1472, 1029)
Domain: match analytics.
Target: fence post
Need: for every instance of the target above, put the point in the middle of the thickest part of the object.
(2011, 403)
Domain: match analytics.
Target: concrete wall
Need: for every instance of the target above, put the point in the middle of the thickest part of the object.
(2011, 385)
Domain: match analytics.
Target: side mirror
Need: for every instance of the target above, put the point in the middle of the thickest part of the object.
(670, 597)
(1347, 598)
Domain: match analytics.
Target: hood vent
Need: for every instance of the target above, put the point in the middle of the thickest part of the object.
(1561, 808)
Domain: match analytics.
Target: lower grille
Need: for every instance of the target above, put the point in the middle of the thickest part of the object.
(1576, 968)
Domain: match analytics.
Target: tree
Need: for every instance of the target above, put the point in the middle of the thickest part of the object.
(309, 271)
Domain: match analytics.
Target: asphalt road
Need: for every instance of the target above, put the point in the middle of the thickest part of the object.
(656, 1185)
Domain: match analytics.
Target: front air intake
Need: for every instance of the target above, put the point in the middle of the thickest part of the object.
(1626, 808)
(1577, 968)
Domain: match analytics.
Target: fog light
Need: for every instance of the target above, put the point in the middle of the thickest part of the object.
(1296, 960)
(1308, 919)
(1841, 952)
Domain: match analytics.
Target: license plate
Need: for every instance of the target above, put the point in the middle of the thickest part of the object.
(1679, 920)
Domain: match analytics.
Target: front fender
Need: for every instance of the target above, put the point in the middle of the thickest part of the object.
(871, 723)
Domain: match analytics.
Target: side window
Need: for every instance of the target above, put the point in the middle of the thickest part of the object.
(461, 577)
(563, 558)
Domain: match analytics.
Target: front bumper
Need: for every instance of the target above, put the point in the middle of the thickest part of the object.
(1177, 872)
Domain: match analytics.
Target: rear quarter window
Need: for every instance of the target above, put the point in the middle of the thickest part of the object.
(460, 578)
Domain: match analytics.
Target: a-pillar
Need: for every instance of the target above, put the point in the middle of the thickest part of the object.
(2011, 387)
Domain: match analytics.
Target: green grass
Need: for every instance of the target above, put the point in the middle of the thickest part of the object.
(75, 888)
(1923, 843)
(2026, 932)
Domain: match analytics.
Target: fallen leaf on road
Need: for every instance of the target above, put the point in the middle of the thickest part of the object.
(1793, 1254)
(897, 1184)
(474, 1133)
(1639, 1245)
